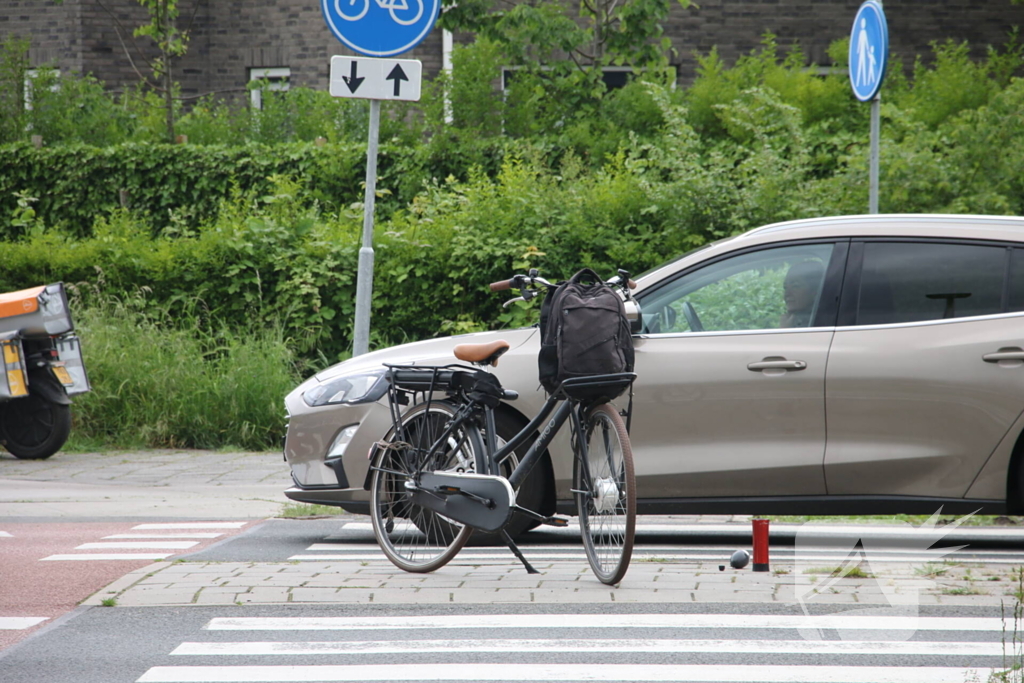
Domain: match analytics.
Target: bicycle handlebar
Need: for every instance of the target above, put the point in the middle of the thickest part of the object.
(502, 285)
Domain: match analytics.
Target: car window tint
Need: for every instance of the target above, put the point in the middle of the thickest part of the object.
(1016, 302)
(766, 289)
(912, 281)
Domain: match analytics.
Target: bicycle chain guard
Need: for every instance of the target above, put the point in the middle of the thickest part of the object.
(481, 501)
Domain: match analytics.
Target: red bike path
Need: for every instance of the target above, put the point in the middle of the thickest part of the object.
(31, 586)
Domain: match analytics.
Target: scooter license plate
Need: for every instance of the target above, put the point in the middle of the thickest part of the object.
(63, 375)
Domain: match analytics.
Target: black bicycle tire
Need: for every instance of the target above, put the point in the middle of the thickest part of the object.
(614, 573)
(378, 480)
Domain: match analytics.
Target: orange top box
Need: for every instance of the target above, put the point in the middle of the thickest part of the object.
(36, 312)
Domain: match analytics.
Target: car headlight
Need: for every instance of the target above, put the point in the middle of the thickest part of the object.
(362, 388)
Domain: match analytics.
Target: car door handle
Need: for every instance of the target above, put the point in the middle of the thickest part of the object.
(1011, 353)
(779, 364)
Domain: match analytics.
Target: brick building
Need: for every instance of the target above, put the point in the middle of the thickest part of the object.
(234, 41)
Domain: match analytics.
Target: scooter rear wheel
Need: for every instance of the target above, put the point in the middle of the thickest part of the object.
(32, 428)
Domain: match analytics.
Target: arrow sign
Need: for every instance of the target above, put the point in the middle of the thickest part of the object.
(397, 75)
(353, 82)
(376, 79)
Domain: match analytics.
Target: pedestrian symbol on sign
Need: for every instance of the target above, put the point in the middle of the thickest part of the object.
(869, 47)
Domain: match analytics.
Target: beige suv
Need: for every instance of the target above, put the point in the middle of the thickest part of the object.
(862, 364)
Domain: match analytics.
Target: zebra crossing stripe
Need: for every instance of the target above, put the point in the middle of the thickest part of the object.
(841, 622)
(85, 557)
(538, 554)
(140, 545)
(19, 623)
(141, 536)
(561, 672)
(189, 525)
(803, 647)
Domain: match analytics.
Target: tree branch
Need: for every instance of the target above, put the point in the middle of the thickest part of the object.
(127, 53)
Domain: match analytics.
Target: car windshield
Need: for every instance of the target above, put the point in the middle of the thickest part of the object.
(680, 258)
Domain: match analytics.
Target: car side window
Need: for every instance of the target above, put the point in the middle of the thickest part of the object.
(767, 289)
(1016, 302)
(905, 282)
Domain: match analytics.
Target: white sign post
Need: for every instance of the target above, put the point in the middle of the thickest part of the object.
(375, 80)
(366, 78)
(379, 29)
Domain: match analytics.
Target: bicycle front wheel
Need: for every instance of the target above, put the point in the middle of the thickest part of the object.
(413, 537)
(604, 485)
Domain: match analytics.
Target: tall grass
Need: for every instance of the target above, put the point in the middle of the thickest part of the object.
(178, 382)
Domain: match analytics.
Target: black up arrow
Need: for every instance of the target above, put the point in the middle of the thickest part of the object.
(353, 82)
(397, 75)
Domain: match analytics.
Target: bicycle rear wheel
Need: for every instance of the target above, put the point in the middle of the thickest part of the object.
(413, 537)
(605, 489)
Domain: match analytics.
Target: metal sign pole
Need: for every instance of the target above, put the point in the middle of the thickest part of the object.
(869, 55)
(873, 171)
(364, 276)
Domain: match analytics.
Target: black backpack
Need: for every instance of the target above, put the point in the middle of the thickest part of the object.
(583, 332)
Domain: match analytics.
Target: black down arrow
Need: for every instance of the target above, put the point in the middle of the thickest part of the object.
(397, 75)
(353, 82)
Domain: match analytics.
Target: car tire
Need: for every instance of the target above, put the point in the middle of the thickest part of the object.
(531, 495)
(32, 428)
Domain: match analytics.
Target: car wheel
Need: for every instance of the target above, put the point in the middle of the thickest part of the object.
(533, 492)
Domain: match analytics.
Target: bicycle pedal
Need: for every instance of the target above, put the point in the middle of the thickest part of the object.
(557, 521)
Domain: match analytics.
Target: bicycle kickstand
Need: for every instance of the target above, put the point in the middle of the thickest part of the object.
(517, 552)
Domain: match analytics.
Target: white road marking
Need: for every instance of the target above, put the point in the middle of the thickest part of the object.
(189, 525)
(193, 535)
(843, 530)
(140, 545)
(561, 672)
(106, 556)
(459, 560)
(562, 621)
(4, 534)
(805, 647)
(19, 623)
(468, 556)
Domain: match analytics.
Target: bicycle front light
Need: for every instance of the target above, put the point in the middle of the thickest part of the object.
(362, 388)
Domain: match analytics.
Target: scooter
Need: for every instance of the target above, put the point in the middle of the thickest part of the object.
(42, 369)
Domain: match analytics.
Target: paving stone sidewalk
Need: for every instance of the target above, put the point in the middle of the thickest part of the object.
(236, 583)
(175, 483)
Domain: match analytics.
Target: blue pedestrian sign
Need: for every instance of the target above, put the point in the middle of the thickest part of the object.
(869, 50)
(380, 28)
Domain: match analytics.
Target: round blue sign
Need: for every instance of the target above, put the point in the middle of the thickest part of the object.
(869, 50)
(380, 28)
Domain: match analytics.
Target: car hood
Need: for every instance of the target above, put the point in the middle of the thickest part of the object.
(424, 352)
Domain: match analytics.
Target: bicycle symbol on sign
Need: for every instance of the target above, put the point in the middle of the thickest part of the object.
(401, 11)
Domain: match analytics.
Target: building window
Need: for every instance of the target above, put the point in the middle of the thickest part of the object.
(275, 78)
(45, 77)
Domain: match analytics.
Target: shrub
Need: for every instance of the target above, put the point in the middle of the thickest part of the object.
(161, 380)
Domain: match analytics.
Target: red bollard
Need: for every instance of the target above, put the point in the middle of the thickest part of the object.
(760, 545)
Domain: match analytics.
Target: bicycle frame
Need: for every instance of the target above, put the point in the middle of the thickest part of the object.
(557, 409)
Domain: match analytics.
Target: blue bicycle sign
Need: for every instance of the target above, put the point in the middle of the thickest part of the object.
(380, 28)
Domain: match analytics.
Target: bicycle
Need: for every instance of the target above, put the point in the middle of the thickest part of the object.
(439, 474)
(392, 6)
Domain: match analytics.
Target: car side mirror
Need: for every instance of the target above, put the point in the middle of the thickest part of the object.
(634, 316)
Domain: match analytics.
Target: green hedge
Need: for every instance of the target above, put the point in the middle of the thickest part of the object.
(181, 187)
